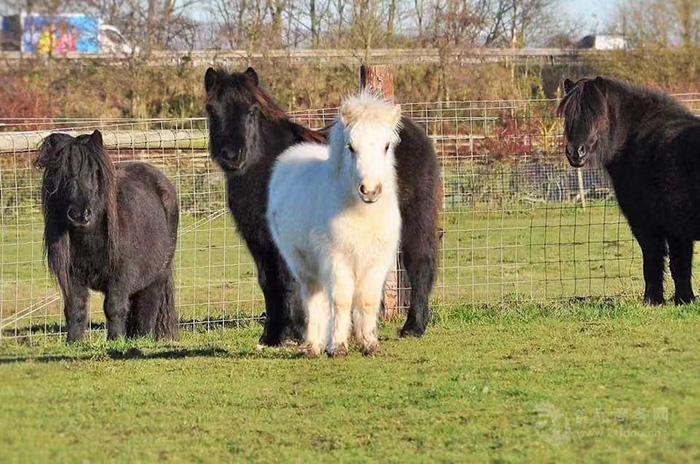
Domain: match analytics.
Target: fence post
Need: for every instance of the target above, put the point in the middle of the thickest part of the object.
(380, 80)
(581, 189)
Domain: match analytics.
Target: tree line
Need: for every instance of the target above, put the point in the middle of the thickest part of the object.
(363, 24)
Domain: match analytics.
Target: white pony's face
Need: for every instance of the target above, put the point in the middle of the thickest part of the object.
(369, 154)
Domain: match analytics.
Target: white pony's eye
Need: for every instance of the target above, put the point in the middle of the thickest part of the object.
(386, 149)
(351, 148)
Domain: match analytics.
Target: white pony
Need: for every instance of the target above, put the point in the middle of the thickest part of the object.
(334, 215)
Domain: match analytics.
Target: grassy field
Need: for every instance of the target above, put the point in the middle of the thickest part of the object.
(554, 383)
(498, 377)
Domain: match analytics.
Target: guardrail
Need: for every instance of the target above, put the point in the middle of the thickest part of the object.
(165, 139)
(332, 56)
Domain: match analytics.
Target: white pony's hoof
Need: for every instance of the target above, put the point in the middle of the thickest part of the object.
(370, 350)
(340, 351)
(310, 351)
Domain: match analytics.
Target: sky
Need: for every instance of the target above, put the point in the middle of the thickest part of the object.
(592, 13)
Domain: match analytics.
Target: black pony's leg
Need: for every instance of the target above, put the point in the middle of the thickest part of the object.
(143, 311)
(419, 259)
(75, 310)
(270, 278)
(681, 256)
(131, 318)
(653, 252)
(116, 308)
(295, 315)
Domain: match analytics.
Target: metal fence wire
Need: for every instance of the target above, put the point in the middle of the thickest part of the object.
(518, 223)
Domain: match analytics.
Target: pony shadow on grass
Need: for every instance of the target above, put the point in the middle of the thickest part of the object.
(133, 353)
(25, 335)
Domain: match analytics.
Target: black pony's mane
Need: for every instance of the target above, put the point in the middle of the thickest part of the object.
(56, 151)
(245, 90)
(54, 157)
(584, 101)
(625, 111)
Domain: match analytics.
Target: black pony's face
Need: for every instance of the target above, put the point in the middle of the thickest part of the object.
(73, 180)
(233, 116)
(586, 121)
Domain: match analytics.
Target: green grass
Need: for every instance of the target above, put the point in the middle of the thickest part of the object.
(549, 383)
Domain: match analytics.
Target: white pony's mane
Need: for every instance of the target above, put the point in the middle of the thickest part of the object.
(364, 108)
(371, 109)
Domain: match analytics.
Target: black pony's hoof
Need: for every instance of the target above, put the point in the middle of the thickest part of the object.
(268, 340)
(654, 300)
(411, 330)
(74, 338)
(294, 334)
(271, 338)
(683, 299)
(280, 337)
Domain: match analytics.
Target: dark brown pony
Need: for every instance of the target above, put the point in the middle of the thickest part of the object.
(247, 132)
(111, 230)
(650, 146)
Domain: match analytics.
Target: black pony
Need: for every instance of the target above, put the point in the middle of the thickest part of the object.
(650, 146)
(112, 230)
(248, 131)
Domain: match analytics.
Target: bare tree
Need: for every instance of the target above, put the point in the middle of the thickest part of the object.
(517, 23)
(660, 23)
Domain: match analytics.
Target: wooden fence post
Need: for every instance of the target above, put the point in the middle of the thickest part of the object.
(380, 80)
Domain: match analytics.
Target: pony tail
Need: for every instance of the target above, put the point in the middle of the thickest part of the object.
(166, 317)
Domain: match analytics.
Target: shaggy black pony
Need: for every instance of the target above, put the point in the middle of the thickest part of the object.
(650, 146)
(247, 132)
(112, 230)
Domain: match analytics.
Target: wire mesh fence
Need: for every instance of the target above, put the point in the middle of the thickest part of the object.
(518, 223)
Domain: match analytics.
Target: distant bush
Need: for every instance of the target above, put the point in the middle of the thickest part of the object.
(20, 98)
(91, 89)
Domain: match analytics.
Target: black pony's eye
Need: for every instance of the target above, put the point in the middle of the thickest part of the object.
(210, 108)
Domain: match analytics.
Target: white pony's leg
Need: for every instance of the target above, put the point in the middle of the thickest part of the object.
(366, 304)
(343, 287)
(318, 311)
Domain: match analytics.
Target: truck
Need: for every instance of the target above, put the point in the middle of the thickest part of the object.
(60, 35)
(603, 42)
